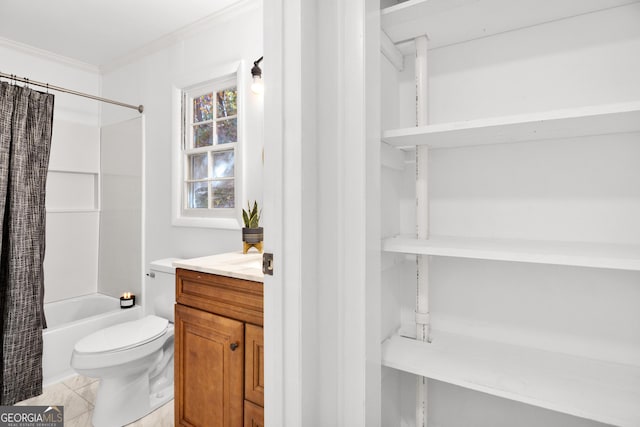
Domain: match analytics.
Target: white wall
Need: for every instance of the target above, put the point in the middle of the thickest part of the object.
(397, 217)
(585, 189)
(71, 260)
(120, 249)
(147, 78)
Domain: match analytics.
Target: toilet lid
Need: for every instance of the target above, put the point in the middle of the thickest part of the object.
(123, 336)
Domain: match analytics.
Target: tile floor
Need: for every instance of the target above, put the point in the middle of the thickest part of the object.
(77, 395)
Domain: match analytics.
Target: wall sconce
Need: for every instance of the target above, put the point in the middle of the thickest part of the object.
(256, 72)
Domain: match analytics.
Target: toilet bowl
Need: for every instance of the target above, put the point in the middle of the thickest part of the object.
(133, 360)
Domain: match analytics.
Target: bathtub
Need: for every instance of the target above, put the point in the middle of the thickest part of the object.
(70, 320)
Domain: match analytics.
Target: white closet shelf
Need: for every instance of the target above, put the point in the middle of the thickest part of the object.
(75, 171)
(473, 19)
(597, 255)
(72, 211)
(597, 390)
(567, 123)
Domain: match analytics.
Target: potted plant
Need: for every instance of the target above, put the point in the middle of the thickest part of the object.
(252, 233)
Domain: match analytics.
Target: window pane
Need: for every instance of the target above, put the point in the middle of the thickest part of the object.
(223, 164)
(197, 195)
(223, 194)
(203, 135)
(227, 131)
(227, 100)
(203, 108)
(198, 166)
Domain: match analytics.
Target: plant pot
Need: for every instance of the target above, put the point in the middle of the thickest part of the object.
(252, 237)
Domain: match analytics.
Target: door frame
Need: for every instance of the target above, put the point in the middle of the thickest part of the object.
(298, 351)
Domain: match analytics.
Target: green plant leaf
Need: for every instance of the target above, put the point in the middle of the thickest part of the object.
(245, 218)
(251, 216)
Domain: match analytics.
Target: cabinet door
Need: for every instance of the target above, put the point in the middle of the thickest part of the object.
(253, 415)
(209, 358)
(254, 365)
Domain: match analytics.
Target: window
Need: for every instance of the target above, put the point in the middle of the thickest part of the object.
(209, 149)
(207, 146)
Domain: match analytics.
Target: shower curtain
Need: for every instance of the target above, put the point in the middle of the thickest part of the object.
(26, 118)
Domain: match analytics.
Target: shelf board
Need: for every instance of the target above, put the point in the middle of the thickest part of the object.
(72, 210)
(596, 255)
(597, 390)
(75, 171)
(447, 22)
(557, 124)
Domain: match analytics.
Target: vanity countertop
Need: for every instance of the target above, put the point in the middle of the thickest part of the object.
(231, 264)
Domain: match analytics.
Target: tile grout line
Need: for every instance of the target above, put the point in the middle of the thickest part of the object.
(70, 390)
(92, 404)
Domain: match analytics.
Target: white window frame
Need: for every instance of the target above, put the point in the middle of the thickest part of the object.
(225, 218)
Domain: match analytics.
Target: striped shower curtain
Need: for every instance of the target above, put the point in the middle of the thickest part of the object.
(26, 118)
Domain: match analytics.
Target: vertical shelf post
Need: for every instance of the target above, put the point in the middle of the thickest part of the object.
(422, 221)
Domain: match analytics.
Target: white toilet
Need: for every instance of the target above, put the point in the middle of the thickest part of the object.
(134, 360)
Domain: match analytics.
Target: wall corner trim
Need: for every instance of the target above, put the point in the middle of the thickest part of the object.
(183, 33)
(47, 55)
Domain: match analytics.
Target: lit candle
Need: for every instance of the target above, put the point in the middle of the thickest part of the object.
(127, 300)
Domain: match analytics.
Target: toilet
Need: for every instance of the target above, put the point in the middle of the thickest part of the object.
(133, 360)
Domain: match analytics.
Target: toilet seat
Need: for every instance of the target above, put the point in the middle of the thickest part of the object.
(123, 336)
(144, 337)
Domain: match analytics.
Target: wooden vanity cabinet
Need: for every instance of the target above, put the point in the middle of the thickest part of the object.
(219, 357)
(253, 415)
(254, 365)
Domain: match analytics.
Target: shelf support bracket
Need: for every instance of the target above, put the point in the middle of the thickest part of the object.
(422, 221)
(391, 52)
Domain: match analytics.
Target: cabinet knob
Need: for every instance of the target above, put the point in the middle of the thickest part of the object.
(233, 346)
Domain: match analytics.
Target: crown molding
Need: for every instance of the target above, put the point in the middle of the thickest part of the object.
(181, 34)
(48, 55)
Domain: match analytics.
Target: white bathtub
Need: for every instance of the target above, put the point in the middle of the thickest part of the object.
(71, 319)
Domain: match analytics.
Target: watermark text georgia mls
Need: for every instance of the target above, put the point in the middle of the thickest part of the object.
(31, 416)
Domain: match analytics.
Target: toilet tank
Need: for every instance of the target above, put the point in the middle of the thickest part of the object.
(160, 289)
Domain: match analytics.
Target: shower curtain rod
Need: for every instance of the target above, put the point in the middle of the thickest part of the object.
(15, 78)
